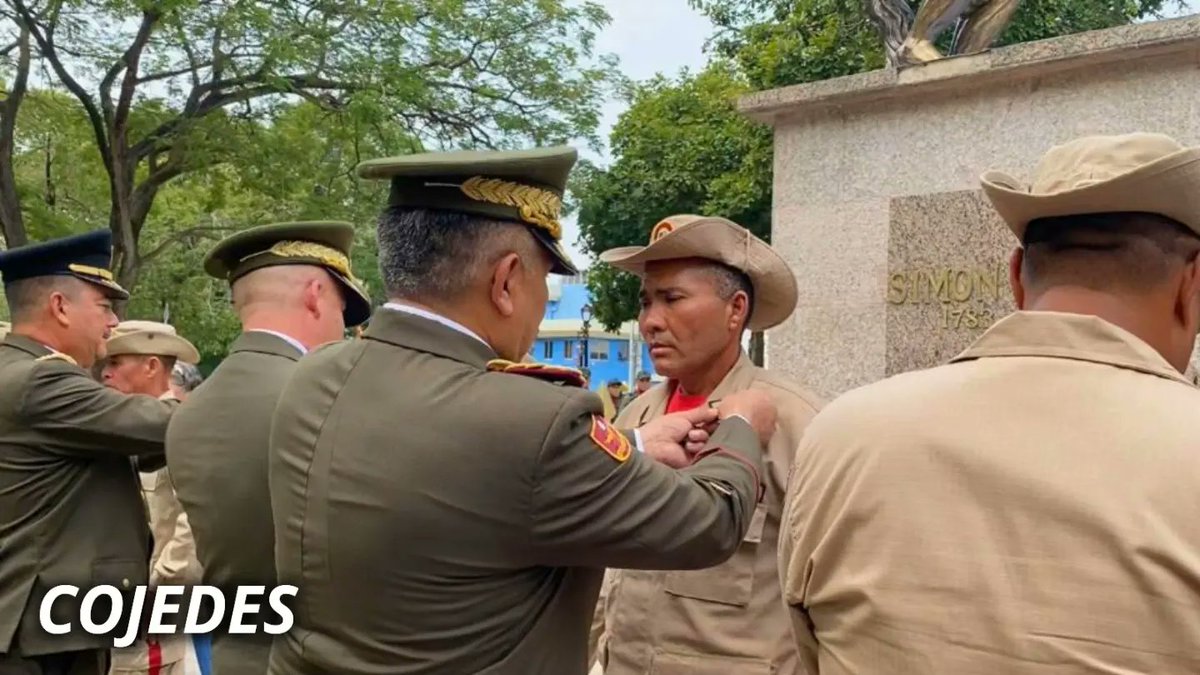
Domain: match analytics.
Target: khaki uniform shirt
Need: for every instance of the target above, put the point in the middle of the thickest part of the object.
(173, 562)
(1030, 508)
(217, 454)
(440, 518)
(729, 619)
(70, 508)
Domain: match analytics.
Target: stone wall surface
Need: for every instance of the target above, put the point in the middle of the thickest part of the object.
(876, 185)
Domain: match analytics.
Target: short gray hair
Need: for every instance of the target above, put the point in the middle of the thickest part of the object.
(186, 376)
(729, 281)
(25, 296)
(428, 253)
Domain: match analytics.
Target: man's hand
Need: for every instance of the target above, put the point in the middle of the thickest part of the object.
(673, 439)
(756, 407)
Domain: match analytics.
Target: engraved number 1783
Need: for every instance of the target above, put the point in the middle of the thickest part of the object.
(965, 317)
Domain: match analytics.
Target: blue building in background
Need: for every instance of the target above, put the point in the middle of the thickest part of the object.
(611, 355)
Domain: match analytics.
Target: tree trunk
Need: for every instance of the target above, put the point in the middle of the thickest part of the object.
(10, 202)
(757, 348)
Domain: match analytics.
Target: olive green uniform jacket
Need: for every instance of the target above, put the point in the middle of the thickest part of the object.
(725, 620)
(217, 455)
(441, 518)
(71, 509)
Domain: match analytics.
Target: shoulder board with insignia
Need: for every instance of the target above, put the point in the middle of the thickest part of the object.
(555, 374)
(57, 356)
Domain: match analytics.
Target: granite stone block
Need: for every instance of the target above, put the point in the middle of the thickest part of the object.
(878, 175)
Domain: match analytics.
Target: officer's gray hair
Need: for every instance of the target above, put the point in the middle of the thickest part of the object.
(729, 281)
(25, 297)
(427, 253)
(186, 376)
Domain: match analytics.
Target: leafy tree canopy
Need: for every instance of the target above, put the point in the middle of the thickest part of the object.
(682, 147)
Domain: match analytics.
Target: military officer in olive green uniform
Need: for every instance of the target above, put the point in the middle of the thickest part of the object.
(443, 509)
(71, 509)
(293, 290)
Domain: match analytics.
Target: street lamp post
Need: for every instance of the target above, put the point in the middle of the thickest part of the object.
(585, 313)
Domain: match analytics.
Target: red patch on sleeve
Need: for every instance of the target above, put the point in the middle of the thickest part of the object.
(615, 443)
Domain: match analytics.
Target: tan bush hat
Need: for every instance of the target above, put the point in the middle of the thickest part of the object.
(1141, 172)
(151, 338)
(713, 238)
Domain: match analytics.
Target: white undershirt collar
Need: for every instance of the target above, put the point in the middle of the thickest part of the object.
(438, 318)
(286, 338)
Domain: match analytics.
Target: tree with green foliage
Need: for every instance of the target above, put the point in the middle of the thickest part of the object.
(300, 167)
(682, 147)
(169, 89)
(781, 42)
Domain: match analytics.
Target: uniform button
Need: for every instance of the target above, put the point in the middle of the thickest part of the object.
(125, 583)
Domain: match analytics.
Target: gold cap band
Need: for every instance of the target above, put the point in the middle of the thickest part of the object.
(325, 255)
(91, 271)
(537, 206)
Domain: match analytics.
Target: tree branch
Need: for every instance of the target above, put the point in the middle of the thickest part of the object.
(45, 42)
(192, 69)
(128, 62)
(179, 236)
(216, 99)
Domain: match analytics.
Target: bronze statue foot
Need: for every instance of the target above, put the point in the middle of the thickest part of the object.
(915, 51)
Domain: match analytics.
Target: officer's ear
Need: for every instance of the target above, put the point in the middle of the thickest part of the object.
(58, 305)
(505, 280)
(312, 297)
(1014, 276)
(1187, 296)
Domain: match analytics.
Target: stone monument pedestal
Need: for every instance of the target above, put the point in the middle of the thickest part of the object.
(899, 259)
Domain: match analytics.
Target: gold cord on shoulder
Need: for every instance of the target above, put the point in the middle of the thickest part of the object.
(57, 356)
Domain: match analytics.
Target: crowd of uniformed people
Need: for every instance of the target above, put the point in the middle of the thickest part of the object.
(446, 506)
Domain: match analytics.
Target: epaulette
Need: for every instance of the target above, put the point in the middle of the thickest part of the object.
(556, 374)
(57, 356)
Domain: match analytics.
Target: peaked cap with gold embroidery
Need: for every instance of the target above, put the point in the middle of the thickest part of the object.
(523, 186)
(83, 256)
(323, 243)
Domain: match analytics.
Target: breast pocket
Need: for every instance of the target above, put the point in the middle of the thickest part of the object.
(731, 582)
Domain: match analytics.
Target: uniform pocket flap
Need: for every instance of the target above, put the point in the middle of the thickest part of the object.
(730, 583)
(668, 663)
(123, 574)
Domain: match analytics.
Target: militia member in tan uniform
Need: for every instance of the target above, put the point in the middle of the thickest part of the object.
(444, 509)
(141, 355)
(71, 511)
(293, 290)
(1030, 507)
(704, 282)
